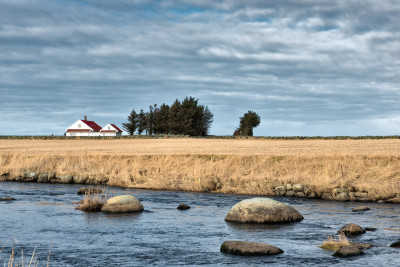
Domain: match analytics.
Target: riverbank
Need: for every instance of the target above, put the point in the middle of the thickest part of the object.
(338, 177)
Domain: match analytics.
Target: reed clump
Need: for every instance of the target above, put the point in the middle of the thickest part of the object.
(335, 243)
(92, 201)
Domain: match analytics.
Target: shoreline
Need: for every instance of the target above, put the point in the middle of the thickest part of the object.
(278, 188)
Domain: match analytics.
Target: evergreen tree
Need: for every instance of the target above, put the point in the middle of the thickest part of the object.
(142, 122)
(175, 117)
(162, 120)
(249, 121)
(132, 123)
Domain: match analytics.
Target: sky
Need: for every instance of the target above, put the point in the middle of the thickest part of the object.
(307, 67)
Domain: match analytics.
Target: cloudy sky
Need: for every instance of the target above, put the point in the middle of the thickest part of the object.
(306, 67)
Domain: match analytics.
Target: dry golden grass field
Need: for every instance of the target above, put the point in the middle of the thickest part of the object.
(246, 166)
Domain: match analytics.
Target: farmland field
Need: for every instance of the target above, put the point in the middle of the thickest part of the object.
(202, 146)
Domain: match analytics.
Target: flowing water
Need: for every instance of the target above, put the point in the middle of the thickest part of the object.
(42, 215)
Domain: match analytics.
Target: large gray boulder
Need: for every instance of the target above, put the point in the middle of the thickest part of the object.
(262, 210)
(122, 204)
(245, 248)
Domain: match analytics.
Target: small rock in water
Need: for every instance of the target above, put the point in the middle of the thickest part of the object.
(360, 208)
(245, 248)
(370, 229)
(183, 207)
(348, 251)
(395, 245)
(351, 229)
(7, 199)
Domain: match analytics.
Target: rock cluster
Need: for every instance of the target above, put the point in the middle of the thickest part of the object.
(52, 177)
(338, 193)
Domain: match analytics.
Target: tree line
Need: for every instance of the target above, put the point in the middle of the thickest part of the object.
(185, 117)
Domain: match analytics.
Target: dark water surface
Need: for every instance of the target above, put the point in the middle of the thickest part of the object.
(162, 235)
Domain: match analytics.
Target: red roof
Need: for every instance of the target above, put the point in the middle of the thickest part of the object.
(92, 125)
(118, 129)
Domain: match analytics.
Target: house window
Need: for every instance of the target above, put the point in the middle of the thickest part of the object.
(108, 127)
(79, 125)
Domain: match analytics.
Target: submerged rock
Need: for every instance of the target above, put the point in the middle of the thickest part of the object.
(7, 199)
(351, 229)
(348, 251)
(360, 208)
(245, 248)
(262, 210)
(122, 204)
(183, 207)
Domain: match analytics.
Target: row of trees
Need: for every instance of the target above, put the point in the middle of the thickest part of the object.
(186, 118)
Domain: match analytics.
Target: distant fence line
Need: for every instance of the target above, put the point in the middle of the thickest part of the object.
(61, 137)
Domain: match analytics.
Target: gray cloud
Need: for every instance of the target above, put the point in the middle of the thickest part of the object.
(307, 67)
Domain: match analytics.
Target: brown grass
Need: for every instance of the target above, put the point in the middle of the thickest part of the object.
(335, 244)
(226, 166)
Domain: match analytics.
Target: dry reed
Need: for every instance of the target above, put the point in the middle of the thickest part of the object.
(92, 201)
(13, 262)
(335, 244)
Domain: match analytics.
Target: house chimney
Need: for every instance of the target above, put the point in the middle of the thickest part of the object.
(85, 118)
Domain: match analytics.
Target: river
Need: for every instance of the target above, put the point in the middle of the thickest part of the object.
(42, 215)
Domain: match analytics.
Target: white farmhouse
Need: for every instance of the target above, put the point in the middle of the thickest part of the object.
(110, 130)
(90, 128)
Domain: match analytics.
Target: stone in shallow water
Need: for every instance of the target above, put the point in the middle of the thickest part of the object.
(360, 208)
(351, 229)
(262, 210)
(7, 199)
(395, 245)
(183, 207)
(122, 204)
(245, 248)
(348, 251)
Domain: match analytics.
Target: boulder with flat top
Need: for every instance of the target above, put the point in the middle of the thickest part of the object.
(122, 204)
(262, 210)
(245, 248)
